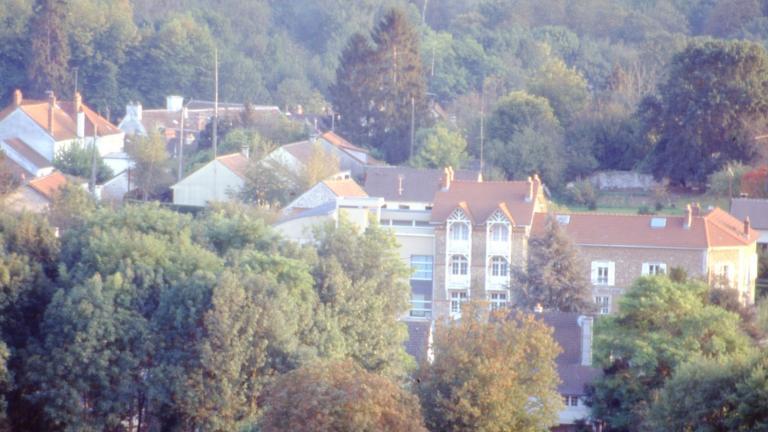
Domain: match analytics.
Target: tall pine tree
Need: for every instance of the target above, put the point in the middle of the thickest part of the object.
(49, 57)
(380, 89)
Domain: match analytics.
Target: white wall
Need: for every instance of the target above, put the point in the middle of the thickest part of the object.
(18, 124)
(212, 183)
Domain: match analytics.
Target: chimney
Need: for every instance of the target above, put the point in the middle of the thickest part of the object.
(746, 226)
(529, 197)
(450, 171)
(80, 124)
(173, 103)
(245, 150)
(688, 216)
(400, 185)
(17, 97)
(585, 322)
(51, 109)
(538, 308)
(696, 209)
(446, 179)
(78, 102)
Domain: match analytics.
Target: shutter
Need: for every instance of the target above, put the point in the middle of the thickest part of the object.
(646, 269)
(663, 267)
(611, 274)
(594, 272)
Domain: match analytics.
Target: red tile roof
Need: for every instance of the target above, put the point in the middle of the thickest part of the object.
(338, 141)
(64, 118)
(716, 228)
(345, 188)
(236, 162)
(49, 185)
(481, 199)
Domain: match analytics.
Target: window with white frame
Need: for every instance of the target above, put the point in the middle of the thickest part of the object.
(654, 269)
(724, 275)
(498, 300)
(422, 267)
(459, 231)
(499, 267)
(457, 298)
(499, 232)
(603, 273)
(570, 401)
(459, 265)
(603, 304)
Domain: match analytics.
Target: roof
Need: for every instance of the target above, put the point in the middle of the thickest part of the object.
(714, 229)
(345, 188)
(417, 344)
(27, 152)
(755, 209)
(301, 150)
(236, 162)
(480, 200)
(64, 118)
(324, 209)
(567, 333)
(418, 184)
(49, 185)
(338, 141)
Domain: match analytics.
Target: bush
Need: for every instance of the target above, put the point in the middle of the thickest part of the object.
(728, 179)
(581, 193)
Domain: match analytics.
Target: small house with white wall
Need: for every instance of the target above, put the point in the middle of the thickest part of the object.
(219, 180)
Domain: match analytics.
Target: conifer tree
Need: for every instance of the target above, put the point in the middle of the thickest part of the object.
(49, 57)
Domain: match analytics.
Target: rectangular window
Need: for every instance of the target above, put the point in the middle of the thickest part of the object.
(499, 267)
(422, 267)
(603, 273)
(421, 307)
(457, 298)
(498, 300)
(459, 265)
(603, 304)
(654, 269)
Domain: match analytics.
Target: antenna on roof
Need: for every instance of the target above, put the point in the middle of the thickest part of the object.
(482, 124)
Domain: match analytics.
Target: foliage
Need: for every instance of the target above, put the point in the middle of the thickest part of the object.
(727, 180)
(563, 87)
(660, 324)
(320, 165)
(553, 276)
(270, 183)
(581, 193)
(78, 160)
(8, 181)
(440, 147)
(49, 55)
(339, 395)
(151, 163)
(709, 110)
(491, 372)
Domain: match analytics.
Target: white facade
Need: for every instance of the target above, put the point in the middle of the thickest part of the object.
(212, 183)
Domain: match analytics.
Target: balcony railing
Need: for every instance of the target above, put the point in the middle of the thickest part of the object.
(458, 247)
(500, 248)
(459, 282)
(421, 309)
(497, 283)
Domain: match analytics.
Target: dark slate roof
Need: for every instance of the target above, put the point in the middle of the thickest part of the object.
(567, 332)
(417, 344)
(418, 184)
(754, 209)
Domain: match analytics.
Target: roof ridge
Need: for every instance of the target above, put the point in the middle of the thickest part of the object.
(724, 227)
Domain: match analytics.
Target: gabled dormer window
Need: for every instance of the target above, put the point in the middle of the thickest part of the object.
(459, 231)
(499, 232)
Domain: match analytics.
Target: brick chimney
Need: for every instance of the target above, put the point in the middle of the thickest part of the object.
(78, 102)
(17, 97)
(688, 216)
(446, 178)
(746, 226)
(51, 110)
(80, 114)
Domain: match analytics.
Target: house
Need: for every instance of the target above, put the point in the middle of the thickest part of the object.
(573, 332)
(297, 156)
(219, 180)
(32, 132)
(481, 234)
(37, 195)
(756, 210)
(325, 191)
(114, 190)
(617, 249)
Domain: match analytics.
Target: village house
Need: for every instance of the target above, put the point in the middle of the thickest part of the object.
(220, 180)
(37, 195)
(756, 210)
(33, 132)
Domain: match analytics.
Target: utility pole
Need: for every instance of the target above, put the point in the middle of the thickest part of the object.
(413, 124)
(92, 181)
(76, 79)
(181, 143)
(215, 101)
(482, 125)
(424, 12)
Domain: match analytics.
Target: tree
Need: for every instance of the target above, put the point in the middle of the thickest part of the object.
(441, 147)
(491, 372)
(564, 87)
(270, 183)
(553, 277)
(320, 165)
(660, 324)
(526, 137)
(339, 395)
(77, 160)
(709, 110)
(48, 67)
(380, 85)
(151, 160)
(362, 286)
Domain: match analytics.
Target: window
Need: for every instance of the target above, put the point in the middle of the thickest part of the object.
(499, 232)
(654, 269)
(421, 306)
(603, 304)
(459, 231)
(603, 273)
(499, 267)
(422, 267)
(459, 265)
(723, 276)
(457, 298)
(498, 300)
(570, 401)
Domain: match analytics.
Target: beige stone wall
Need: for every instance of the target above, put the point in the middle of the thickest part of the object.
(743, 264)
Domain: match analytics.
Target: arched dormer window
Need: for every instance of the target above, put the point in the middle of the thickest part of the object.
(499, 232)
(458, 226)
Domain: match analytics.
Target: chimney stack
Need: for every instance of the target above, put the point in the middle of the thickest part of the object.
(51, 110)
(585, 322)
(245, 149)
(78, 102)
(688, 216)
(400, 185)
(450, 171)
(529, 197)
(746, 226)
(696, 209)
(446, 178)
(17, 97)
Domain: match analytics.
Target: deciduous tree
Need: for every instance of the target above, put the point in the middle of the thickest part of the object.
(441, 147)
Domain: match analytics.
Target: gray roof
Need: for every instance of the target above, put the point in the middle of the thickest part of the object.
(567, 332)
(418, 184)
(754, 208)
(417, 344)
